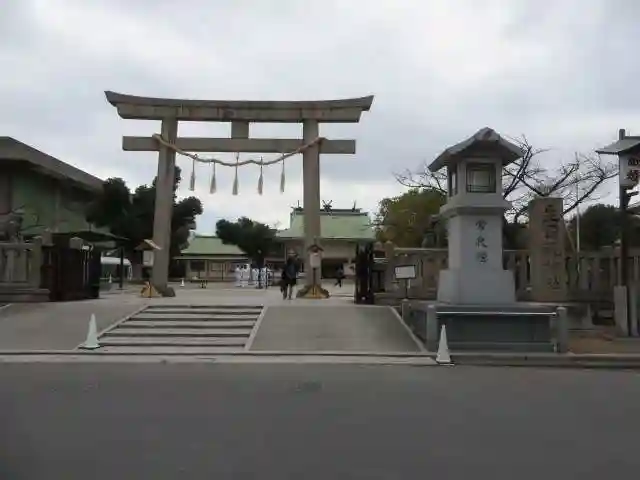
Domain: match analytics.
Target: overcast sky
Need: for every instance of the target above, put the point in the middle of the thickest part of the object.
(565, 73)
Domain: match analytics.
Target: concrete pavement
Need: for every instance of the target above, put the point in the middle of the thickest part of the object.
(63, 326)
(334, 325)
(325, 327)
(51, 331)
(60, 325)
(68, 422)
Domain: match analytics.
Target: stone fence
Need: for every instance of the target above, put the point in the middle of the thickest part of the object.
(573, 277)
(20, 264)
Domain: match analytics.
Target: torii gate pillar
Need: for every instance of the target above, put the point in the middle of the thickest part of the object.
(311, 199)
(164, 206)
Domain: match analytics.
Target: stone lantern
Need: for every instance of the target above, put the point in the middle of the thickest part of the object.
(474, 214)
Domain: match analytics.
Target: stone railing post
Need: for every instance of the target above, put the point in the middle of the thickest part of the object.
(389, 274)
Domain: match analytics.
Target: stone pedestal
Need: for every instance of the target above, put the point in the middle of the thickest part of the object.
(475, 274)
(464, 287)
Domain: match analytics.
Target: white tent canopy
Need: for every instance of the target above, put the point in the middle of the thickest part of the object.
(114, 261)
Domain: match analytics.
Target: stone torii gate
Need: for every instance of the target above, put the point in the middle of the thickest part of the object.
(240, 114)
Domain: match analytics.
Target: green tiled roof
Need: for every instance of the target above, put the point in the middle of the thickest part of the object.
(67, 227)
(211, 245)
(342, 226)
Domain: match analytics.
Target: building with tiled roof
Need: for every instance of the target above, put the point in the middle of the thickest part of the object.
(341, 230)
(46, 192)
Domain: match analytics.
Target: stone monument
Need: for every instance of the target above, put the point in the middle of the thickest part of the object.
(474, 212)
(547, 250)
(240, 114)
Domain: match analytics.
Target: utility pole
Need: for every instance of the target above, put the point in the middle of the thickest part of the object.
(578, 218)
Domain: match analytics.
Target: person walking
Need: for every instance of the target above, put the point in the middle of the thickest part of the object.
(339, 277)
(290, 275)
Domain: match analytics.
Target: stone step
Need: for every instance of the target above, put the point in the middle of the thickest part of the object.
(189, 316)
(159, 350)
(143, 323)
(123, 331)
(204, 307)
(173, 342)
(202, 313)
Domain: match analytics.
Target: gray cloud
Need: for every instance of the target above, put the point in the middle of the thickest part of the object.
(563, 73)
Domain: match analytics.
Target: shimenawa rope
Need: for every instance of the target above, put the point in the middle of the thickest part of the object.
(216, 161)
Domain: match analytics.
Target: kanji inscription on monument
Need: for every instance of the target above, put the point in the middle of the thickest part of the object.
(547, 239)
(482, 255)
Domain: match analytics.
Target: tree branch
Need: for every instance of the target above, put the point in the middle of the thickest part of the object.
(576, 181)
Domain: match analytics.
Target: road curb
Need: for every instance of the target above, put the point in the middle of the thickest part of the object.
(221, 359)
(604, 361)
(239, 352)
(568, 361)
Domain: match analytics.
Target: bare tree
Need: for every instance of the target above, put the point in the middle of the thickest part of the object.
(576, 181)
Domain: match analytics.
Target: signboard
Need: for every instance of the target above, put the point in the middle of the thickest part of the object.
(629, 170)
(315, 260)
(405, 272)
(147, 258)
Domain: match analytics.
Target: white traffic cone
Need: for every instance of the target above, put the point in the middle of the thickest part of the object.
(443, 357)
(110, 279)
(91, 343)
(182, 283)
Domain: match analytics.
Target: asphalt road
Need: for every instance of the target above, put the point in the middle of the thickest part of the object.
(204, 421)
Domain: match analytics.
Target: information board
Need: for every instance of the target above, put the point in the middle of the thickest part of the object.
(405, 272)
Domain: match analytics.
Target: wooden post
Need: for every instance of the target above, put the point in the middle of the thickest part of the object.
(164, 206)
